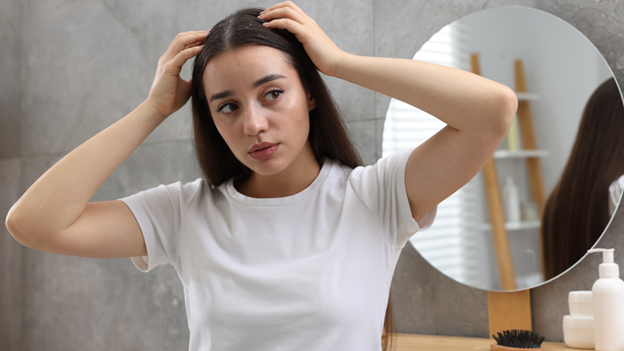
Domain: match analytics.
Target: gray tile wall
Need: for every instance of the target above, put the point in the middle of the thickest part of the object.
(11, 252)
(69, 69)
(10, 79)
(11, 260)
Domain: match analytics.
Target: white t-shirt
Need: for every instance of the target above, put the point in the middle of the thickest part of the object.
(310, 271)
(615, 192)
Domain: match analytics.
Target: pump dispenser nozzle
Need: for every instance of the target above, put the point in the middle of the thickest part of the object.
(607, 254)
(607, 268)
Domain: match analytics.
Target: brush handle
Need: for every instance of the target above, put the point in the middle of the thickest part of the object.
(496, 347)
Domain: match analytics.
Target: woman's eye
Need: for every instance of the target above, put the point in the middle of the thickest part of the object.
(273, 94)
(227, 108)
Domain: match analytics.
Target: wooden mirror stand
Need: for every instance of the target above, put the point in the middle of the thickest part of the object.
(509, 310)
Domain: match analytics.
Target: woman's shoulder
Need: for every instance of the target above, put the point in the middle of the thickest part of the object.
(386, 164)
(618, 182)
(178, 191)
(615, 192)
(187, 188)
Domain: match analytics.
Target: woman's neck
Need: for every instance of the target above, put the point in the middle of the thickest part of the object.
(292, 180)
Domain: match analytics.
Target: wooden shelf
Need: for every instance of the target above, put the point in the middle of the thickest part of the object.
(500, 154)
(510, 226)
(416, 342)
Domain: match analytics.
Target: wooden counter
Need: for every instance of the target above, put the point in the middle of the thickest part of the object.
(415, 342)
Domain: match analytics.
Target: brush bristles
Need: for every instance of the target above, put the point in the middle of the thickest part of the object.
(519, 338)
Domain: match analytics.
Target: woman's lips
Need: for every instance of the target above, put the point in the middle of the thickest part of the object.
(265, 153)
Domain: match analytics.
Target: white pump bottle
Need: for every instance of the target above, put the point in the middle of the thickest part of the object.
(608, 301)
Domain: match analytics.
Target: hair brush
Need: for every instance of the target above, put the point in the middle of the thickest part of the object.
(514, 340)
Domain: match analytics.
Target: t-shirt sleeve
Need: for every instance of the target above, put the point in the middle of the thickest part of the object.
(382, 188)
(159, 212)
(615, 192)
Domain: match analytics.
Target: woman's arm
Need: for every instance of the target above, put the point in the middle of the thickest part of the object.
(478, 111)
(55, 215)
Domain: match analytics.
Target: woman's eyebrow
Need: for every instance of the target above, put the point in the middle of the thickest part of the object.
(267, 79)
(259, 82)
(221, 95)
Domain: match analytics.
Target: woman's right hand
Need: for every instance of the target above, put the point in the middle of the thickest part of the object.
(169, 91)
(55, 214)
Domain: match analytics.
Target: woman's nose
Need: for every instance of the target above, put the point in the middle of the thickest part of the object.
(255, 121)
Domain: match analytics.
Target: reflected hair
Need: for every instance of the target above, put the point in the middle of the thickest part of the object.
(577, 211)
(328, 134)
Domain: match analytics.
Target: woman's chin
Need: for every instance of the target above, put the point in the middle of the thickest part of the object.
(266, 168)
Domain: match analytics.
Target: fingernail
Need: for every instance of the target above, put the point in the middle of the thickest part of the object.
(266, 24)
(208, 31)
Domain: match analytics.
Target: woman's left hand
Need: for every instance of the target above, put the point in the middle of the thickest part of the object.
(322, 50)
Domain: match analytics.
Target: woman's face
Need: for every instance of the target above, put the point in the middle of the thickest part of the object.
(260, 107)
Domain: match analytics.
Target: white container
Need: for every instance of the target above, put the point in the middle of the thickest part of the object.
(529, 211)
(580, 303)
(511, 201)
(578, 332)
(578, 326)
(608, 302)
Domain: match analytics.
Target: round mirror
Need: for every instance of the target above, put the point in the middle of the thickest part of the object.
(489, 237)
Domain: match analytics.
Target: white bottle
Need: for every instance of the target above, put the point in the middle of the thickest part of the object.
(511, 201)
(608, 301)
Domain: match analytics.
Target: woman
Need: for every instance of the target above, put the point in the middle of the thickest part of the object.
(582, 203)
(286, 244)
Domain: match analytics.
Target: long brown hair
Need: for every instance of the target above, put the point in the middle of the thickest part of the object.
(577, 211)
(328, 135)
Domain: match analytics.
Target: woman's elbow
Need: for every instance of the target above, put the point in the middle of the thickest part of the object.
(505, 105)
(509, 102)
(16, 224)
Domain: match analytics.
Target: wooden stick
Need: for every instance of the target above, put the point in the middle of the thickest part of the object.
(497, 218)
(499, 233)
(529, 142)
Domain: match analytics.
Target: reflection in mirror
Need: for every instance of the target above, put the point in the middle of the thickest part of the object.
(583, 201)
(562, 69)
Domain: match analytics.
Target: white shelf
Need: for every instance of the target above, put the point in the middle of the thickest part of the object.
(527, 96)
(520, 153)
(511, 226)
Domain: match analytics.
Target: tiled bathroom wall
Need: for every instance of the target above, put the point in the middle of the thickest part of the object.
(69, 69)
(11, 253)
